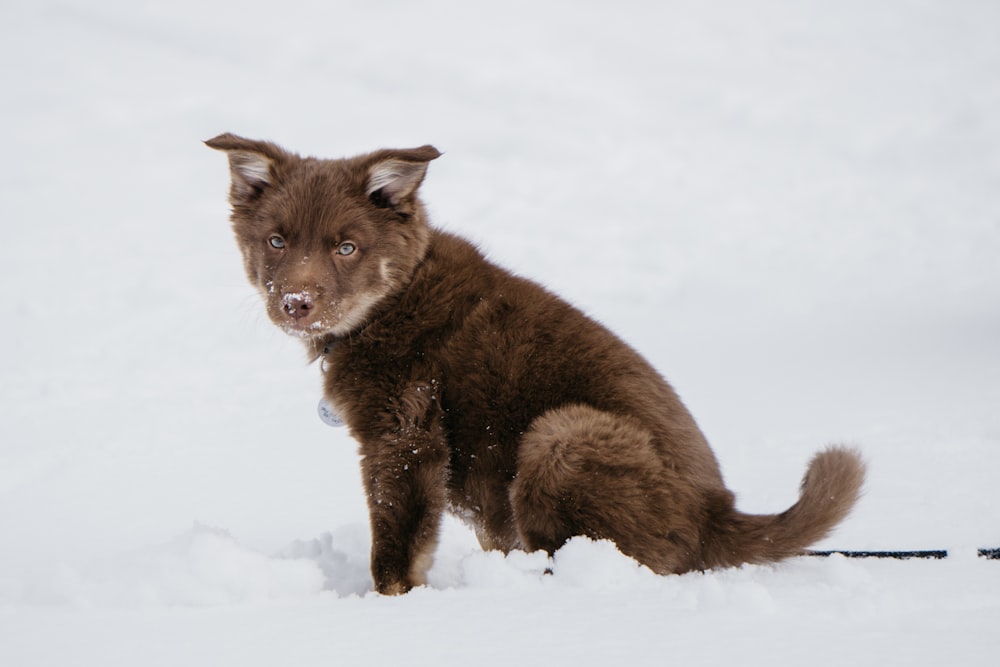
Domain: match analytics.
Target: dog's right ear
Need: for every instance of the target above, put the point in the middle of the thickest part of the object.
(253, 165)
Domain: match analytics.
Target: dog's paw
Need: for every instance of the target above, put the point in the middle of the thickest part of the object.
(393, 588)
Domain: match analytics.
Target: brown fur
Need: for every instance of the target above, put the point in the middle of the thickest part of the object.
(475, 391)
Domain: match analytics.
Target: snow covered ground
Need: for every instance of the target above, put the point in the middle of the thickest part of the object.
(792, 208)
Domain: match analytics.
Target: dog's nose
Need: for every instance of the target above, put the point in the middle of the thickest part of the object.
(297, 305)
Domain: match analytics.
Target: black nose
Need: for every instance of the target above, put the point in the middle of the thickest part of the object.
(297, 305)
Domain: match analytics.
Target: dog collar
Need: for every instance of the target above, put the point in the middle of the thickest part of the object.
(327, 413)
(327, 349)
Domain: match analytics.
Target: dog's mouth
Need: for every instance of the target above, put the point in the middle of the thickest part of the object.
(301, 329)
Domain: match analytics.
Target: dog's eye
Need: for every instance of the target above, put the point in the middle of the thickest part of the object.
(346, 249)
(276, 242)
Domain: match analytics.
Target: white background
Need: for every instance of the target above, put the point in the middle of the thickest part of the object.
(791, 208)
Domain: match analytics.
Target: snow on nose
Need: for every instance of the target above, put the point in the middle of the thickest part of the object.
(297, 304)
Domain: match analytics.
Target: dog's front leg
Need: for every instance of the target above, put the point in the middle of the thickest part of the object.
(406, 480)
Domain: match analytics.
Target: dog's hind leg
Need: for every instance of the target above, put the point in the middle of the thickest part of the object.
(583, 471)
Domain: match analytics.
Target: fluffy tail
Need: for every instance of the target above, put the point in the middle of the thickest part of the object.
(830, 488)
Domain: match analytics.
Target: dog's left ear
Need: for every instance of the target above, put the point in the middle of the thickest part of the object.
(254, 165)
(395, 175)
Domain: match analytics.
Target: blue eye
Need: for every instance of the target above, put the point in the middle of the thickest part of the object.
(346, 249)
(276, 242)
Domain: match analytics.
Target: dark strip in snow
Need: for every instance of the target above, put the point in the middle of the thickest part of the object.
(930, 554)
(900, 555)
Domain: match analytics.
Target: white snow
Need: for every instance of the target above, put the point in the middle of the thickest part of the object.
(789, 207)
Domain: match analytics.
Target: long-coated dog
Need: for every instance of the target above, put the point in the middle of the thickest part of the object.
(474, 391)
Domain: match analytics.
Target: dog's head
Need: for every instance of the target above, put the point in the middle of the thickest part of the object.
(325, 241)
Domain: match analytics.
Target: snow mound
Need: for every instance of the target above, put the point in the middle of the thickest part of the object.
(588, 564)
(202, 567)
(492, 570)
(344, 566)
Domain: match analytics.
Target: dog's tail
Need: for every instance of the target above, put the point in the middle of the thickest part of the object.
(830, 488)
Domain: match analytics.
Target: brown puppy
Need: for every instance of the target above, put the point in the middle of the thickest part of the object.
(478, 392)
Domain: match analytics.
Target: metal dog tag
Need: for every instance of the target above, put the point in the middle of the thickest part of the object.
(329, 414)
